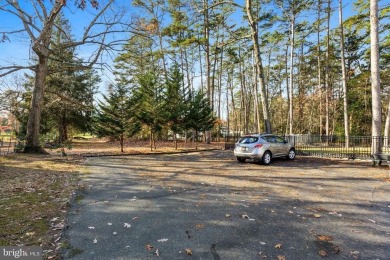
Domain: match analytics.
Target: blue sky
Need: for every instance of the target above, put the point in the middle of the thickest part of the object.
(17, 50)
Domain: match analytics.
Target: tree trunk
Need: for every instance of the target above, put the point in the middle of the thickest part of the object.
(259, 66)
(301, 127)
(208, 65)
(220, 94)
(200, 65)
(319, 10)
(375, 79)
(256, 98)
(344, 76)
(33, 124)
(175, 140)
(62, 128)
(387, 124)
(196, 139)
(121, 141)
(327, 71)
(287, 87)
(41, 47)
(151, 140)
(291, 90)
(243, 106)
(235, 117)
(227, 133)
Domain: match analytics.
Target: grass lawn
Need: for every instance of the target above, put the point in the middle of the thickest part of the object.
(34, 195)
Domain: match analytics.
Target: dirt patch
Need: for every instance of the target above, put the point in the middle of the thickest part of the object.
(96, 147)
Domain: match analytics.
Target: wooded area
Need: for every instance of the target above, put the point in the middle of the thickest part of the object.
(219, 67)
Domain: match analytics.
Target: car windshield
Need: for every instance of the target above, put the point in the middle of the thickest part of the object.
(248, 140)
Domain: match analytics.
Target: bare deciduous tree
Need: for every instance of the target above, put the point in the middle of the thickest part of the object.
(38, 21)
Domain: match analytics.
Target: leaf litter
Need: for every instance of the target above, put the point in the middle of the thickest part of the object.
(46, 185)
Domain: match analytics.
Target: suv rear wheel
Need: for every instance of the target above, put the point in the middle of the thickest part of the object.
(267, 157)
(291, 154)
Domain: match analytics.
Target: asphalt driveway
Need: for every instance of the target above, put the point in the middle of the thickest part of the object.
(205, 205)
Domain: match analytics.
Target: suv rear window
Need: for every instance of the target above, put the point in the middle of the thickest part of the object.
(248, 140)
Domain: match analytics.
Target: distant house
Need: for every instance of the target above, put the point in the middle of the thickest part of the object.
(8, 123)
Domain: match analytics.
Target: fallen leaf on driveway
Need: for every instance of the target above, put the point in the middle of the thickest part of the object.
(199, 226)
(324, 237)
(335, 213)
(336, 249)
(91, 227)
(244, 216)
(373, 221)
(322, 253)
(278, 246)
(148, 247)
(95, 241)
(162, 240)
(127, 225)
(227, 215)
(317, 215)
(157, 253)
(263, 243)
(281, 257)
(188, 251)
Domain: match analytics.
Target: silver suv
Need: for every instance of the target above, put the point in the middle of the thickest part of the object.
(263, 147)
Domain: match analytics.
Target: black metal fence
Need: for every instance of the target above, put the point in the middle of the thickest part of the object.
(7, 146)
(353, 147)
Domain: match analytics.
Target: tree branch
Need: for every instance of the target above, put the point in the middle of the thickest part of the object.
(12, 69)
(220, 3)
(96, 18)
(22, 16)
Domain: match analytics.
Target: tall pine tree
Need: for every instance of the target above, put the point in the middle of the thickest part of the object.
(199, 115)
(116, 118)
(148, 97)
(174, 106)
